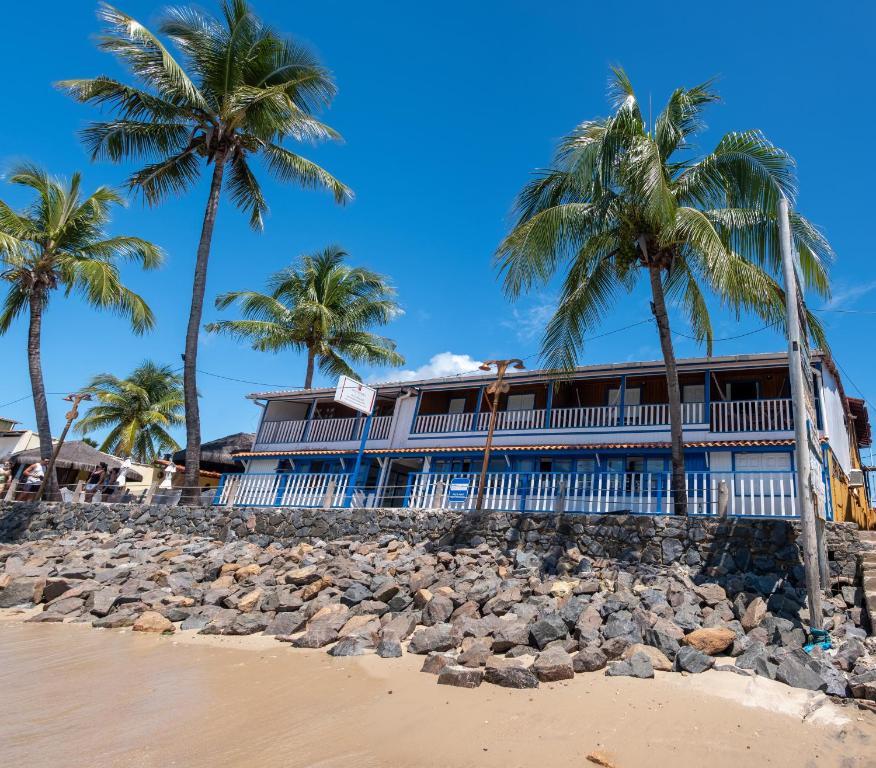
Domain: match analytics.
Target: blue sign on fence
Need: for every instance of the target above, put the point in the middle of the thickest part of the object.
(457, 493)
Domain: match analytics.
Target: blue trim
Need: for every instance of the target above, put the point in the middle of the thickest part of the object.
(548, 405)
(477, 411)
(220, 487)
(621, 401)
(354, 475)
(707, 399)
(825, 478)
(310, 411)
(413, 427)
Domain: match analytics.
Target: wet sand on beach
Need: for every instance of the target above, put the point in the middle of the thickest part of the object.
(74, 696)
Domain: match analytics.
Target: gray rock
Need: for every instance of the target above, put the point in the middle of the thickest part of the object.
(588, 660)
(508, 634)
(349, 646)
(509, 675)
(389, 646)
(19, 592)
(461, 677)
(665, 643)
(436, 638)
(435, 662)
(437, 610)
(863, 686)
(315, 638)
(553, 664)
(691, 660)
(791, 672)
(355, 594)
(547, 630)
(285, 623)
(638, 665)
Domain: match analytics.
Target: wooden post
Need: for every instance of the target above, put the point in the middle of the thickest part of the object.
(13, 487)
(78, 491)
(560, 499)
(151, 492)
(438, 494)
(329, 498)
(230, 489)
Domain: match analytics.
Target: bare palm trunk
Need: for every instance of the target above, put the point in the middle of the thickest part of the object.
(38, 389)
(308, 377)
(190, 384)
(658, 306)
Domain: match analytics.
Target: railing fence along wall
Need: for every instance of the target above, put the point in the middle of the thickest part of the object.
(323, 430)
(753, 415)
(283, 489)
(753, 493)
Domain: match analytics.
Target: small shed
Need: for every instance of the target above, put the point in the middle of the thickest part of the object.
(75, 460)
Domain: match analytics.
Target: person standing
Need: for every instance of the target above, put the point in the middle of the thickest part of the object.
(95, 480)
(33, 479)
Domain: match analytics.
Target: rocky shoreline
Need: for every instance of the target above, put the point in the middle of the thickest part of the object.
(480, 614)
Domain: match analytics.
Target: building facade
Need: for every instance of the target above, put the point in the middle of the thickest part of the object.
(592, 441)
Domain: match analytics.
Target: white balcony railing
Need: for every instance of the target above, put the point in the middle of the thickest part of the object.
(579, 418)
(753, 416)
(654, 414)
(445, 422)
(754, 493)
(323, 430)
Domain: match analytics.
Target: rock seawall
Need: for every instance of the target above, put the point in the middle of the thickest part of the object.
(713, 547)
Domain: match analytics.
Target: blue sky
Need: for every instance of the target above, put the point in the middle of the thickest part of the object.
(446, 108)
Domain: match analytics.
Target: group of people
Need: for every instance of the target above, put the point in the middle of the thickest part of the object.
(101, 484)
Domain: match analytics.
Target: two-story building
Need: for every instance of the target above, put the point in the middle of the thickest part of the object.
(593, 440)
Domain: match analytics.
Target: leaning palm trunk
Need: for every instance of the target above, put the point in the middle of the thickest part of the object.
(41, 408)
(679, 490)
(190, 384)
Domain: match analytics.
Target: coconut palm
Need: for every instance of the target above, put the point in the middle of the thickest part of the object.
(137, 410)
(240, 92)
(57, 242)
(622, 199)
(322, 307)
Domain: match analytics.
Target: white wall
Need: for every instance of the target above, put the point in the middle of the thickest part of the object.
(834, 420)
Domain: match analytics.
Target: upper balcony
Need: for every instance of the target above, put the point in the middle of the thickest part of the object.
(730, 403)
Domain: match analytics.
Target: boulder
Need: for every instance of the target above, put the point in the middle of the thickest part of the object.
(754, 614)
(301, 576)
(712, 641)
(349, 646)
(547, 630)
(588, 659)
(638, 665)
(317, 637)
(437, 610)
(152, 621)
(435, 662)
(461, 677)
(389, 646)
(659, 661)
(18, 592)
(798, 675)
(436, 638)
(553, 664)
(355, 594)
(689, 659)
(508, 674)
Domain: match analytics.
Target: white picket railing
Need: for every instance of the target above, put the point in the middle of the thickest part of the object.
(654, 414)
(755, 493)
(753, 416)
(506, 420)
(583, 417)
(444, 422)
(284, 489)
(323, 430)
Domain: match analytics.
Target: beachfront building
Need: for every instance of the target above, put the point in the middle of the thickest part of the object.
(593, 441)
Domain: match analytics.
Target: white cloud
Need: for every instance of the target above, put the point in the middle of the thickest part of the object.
(440, 365)
(529, 323)
(844, 295)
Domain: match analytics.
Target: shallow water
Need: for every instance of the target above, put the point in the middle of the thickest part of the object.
(74, 696)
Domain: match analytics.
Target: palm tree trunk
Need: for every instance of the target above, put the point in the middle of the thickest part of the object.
(308, 377)
(38, 389)
(190, 385)
(658, 306)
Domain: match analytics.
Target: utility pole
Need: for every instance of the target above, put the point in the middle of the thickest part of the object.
(71, 416)
(802, 422)
(496, 388)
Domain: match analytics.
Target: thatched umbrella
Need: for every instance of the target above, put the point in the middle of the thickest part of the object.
(75, 455)
(216, 455)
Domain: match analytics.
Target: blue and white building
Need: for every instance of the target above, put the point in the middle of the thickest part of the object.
(595, 440)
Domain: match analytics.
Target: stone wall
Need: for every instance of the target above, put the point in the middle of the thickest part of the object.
(715, 547)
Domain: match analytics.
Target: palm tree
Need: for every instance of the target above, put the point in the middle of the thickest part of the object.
(243, 91)
(322, 307)
(138, 410)
(60, 241)
(623, 199)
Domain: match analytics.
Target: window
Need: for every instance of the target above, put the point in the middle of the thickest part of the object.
(742, 390)
(693, 393)
(586, 465)
(456, 405)
(633, 396)
(521, 402)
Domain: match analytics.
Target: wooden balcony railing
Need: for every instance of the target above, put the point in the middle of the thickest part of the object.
(322, 430)
(753, 416)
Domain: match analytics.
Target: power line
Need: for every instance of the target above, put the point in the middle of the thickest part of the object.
(247, 381)
(846, 311)
(729, 338)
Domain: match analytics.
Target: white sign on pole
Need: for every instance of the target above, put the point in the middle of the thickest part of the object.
(355, 395)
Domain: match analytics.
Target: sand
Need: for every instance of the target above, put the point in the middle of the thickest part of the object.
(74, 696)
